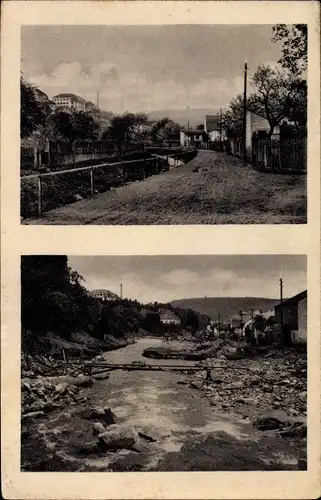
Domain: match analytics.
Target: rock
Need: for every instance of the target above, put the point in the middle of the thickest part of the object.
(117, 437)
(37, 406)
(61, 388)
(196, 384)
(235, 385)
(98, 428)
(77, 197)
(303, 395)
(147, 437)
(295, 431)
(109, 416)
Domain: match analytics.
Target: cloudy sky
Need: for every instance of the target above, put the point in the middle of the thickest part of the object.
(144, 68)
(165, 278)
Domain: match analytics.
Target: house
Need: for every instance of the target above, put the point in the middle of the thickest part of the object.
(169, 318)
(213, 128)
(193, 138)
(294, 317)
(70, 102)
(104, 295)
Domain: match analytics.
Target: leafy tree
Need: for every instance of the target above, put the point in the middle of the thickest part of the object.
(164, 129)
(294, 40)
(74, 126)
(124, 128)
(277, 95)
(200, 126)
(232, 118)
(33, 112)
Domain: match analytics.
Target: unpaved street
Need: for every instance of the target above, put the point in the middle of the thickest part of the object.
(211, 189)
(187, 432)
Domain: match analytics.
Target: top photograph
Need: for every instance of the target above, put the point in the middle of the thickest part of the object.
(163, 124)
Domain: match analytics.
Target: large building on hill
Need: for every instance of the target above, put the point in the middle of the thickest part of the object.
(104, 295)
(70, 102)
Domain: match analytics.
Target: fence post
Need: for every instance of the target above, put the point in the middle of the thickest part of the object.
(91, 182)
(39, 195)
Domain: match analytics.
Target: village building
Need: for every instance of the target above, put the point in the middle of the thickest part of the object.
(196, 138)
(170, 318)
(294, 317)
(104, 295)
(213, 128)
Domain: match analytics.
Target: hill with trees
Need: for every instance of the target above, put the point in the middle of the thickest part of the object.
(225, 306)
(57, 312)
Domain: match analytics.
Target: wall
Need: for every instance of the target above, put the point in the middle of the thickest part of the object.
(255, 123)
(290, 315)
(302, 319)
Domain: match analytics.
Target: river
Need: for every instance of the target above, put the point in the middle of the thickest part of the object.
(188, 434)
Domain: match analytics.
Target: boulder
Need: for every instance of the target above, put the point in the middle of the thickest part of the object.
(117, 437)
(98, 428)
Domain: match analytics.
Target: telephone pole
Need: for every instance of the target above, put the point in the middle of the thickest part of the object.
(121, 291)
(281, 314)
(220, 125)
(244, 110)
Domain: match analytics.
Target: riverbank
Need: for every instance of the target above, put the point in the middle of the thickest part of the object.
(156, 421)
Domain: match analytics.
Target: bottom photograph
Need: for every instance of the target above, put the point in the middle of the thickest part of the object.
(163, 363)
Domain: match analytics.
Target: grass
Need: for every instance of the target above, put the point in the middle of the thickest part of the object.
(211, 189)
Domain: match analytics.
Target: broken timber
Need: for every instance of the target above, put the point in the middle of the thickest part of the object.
(97, 367)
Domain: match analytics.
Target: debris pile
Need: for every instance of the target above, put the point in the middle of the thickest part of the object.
(48, 384)
(252, 386)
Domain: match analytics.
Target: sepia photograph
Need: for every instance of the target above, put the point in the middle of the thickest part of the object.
(163, 124)
(163, 363)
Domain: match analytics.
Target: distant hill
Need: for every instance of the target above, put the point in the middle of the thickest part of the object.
(225, 306)
(182, 116)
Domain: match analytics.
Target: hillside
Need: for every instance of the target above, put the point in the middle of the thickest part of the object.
(182, 116)
(225, 306)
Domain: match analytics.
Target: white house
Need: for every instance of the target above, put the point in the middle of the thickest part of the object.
(104, 295)
(169, 318)
(192, 137)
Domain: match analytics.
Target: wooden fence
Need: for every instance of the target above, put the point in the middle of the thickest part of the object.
(43, 192)
(288, 155)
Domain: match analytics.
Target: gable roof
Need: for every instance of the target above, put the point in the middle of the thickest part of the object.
(169, 315)
(294, 299)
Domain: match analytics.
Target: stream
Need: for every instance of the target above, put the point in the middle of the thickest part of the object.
(187, 433)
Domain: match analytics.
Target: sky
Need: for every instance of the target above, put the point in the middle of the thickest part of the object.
(166, 278)
(145, 68)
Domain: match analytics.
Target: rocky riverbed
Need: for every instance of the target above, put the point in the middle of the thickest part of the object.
(251, 415)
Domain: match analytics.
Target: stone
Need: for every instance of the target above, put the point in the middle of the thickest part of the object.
(146, 436)
(117, 437)
(196, 384)
(98, 428)
(61, 388)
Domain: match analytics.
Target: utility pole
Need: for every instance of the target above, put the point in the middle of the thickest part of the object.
(252, 318)
(219, 323)
(281, 315)
(221, 114)
(244, 110)
(121, 291)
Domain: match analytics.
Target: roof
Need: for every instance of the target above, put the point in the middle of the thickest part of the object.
(194, 132)
(294, 299)
(169, 315)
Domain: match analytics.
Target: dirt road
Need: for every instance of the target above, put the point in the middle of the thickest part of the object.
(189, 434)
(211, 189)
